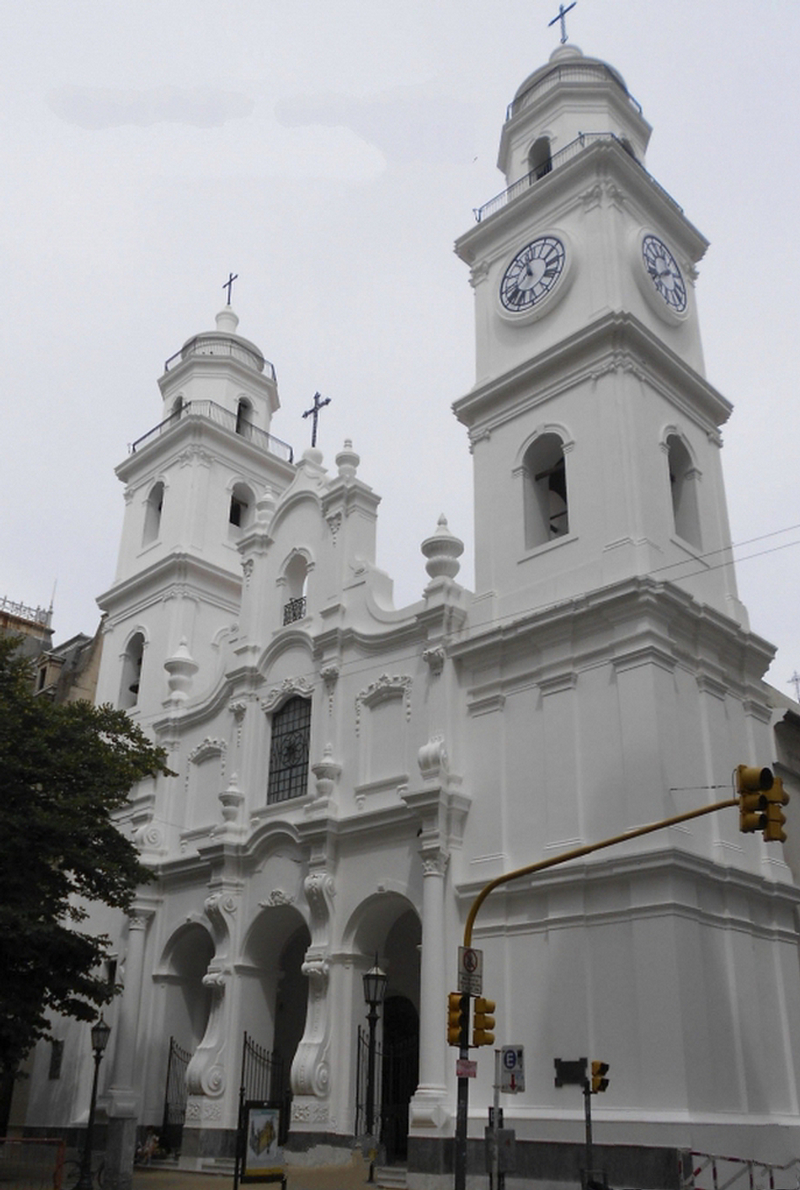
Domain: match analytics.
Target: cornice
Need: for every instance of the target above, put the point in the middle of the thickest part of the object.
(177, 568)
(614, 342)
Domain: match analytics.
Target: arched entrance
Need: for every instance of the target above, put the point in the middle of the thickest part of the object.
(275, 991)
(391, 927)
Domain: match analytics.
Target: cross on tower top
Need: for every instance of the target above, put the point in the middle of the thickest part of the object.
(794, 680)
(314, 413)
(562, 12)
(229, 284)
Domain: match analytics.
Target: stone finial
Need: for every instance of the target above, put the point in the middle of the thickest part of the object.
(181, 668)
(347, 460)
(227, 321)
(442, 550)
(265, 505)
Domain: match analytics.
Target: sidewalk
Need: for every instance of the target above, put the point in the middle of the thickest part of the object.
(351, 1176)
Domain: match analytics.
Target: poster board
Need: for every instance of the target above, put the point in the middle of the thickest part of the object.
(262, 1159)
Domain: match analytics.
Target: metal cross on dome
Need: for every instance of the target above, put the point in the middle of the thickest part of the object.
(314, 412)
(562, 12)
(229, 284)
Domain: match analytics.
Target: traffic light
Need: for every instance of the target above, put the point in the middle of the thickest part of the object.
(599, 1080)
(484, 1022)
(752, 784)
(776, 797)
(457, 1017)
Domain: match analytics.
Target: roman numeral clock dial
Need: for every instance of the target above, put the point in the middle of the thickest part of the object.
(532, 274)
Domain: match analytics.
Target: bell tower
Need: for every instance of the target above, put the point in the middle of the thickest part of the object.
(191, 487)
(595, 435)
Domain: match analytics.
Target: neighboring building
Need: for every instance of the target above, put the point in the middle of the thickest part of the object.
(348, 776)
(70, 671)
(32, 623)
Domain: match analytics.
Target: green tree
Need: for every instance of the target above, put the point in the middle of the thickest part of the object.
(64, 772)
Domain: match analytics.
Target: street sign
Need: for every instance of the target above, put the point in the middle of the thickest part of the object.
(466, 1068)
(470, 971)
(512, 1069)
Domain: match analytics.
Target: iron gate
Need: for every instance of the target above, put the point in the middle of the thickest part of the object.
(174, 1098)
(396, 1073)
(264, 1076)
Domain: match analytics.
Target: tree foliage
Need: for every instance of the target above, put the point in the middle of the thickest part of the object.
(64, 771)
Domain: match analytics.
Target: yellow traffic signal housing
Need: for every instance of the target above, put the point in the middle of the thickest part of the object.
(457, 1013)
(775, 818)
(752, 786)
(599, 1080)
(483, 1022)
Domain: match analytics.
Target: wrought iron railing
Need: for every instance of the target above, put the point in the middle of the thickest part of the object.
(264, 1076)
(581, 142)
(211, 411)
(295, 609)
(569, 72)
(212, 343)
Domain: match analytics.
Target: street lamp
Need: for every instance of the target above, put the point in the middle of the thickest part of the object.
(100, 1034)
(374, 992)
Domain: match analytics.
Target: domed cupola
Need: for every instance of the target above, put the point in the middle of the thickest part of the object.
(224, 370)
(563, 107)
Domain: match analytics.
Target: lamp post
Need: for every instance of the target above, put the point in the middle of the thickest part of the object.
(374, 992)
(100, 1035)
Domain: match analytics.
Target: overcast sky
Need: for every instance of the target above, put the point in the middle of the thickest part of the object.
(330, 154)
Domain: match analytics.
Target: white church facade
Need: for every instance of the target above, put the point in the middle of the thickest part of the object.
(348, 776)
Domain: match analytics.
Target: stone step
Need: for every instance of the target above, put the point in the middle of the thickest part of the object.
(392, 1177)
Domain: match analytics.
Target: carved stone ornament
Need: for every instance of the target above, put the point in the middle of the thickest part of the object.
(442, 550)
(330, 676)
(208, 747)
(434, 658)
(247, 570)
(433, 759)
(149, 836)
(326, 773)
(334, 524)
(385, 687)
(287, 688)
(276, 898)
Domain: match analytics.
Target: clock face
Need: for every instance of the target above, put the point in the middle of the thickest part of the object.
(532, 274)
(663, 271)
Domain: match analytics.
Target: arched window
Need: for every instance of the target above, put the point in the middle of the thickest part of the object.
(131, 672)
(178, 407)
(240, 512)
(289, 748)
(545, 500)
(244, 417)
(683, 485)
(152, 513)
(539, 160)
(296, 579)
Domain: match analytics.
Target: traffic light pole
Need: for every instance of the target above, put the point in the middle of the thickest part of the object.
(462, 1112)
(587, 1106)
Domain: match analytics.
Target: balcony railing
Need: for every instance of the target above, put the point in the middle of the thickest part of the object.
(295, 609)
(211, 411)
(581, 142)
(213, 343)
(569, 72)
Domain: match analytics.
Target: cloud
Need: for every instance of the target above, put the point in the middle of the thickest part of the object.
(406, 124)
(105, 107)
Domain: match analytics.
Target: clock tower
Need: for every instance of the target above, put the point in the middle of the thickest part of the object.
(596, 437)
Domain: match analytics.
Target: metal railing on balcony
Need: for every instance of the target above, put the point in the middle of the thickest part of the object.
(213, 343)
(211, 411)
(581, 142)
(295, 609)
(35, 615)
(569, 72)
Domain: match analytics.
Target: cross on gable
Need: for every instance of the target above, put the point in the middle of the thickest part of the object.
(314, 413)
(562, 12)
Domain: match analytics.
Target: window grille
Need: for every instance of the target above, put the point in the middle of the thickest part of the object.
(288, 754)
